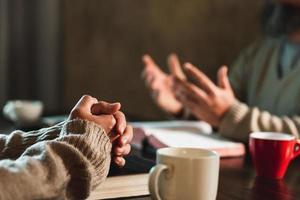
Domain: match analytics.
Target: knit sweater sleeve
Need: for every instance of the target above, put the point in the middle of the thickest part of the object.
(13, 145)
(68, 167)
(241, 120)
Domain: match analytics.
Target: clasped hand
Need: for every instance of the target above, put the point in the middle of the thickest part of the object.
(111, 119)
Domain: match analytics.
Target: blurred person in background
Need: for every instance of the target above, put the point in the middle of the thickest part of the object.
(68, 160)
(262, 92)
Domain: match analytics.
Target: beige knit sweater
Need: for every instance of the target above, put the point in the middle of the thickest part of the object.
(266, 103)
(65, 161)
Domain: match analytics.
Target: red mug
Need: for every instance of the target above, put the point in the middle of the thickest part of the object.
(271, 153)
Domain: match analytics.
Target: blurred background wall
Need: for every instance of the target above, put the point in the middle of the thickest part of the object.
(31, 51)
(104, 42)
(57, 50)
(3, 50)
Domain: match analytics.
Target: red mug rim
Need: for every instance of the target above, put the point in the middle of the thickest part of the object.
(272, 136)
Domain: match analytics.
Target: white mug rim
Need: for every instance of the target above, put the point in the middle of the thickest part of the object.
(275, 136)
(206, 154)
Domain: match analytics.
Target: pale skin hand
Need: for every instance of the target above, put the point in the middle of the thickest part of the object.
(205, 100)
(122, 133)
(111, 119)
(160, 84)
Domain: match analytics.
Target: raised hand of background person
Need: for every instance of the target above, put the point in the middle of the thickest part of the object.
(205, 100)
(160, 84)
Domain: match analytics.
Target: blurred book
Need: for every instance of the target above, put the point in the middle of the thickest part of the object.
(122, 186)
(184, 134)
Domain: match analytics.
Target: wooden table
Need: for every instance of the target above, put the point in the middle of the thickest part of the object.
(237, 179)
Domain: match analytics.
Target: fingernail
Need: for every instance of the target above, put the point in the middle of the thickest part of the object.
(122, 129)
(187, 65)
(117, 103)
(124, 140)
(117, 160)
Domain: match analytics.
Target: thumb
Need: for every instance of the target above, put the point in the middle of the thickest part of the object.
(223, 80)
(103, 107)
(86, 102)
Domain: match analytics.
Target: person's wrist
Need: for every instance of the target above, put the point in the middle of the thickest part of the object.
(232, 115)
(177, 113)
(224, 111)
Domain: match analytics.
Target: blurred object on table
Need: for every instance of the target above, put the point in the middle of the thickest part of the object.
(23, 112)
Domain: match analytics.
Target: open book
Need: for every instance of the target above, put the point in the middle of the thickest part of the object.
(122, 186)
(185, 134)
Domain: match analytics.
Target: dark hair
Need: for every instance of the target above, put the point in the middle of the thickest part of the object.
(280, 19)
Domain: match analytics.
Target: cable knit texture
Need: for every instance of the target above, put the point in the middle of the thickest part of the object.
(68, 167)
(13, 145)
(241, 120)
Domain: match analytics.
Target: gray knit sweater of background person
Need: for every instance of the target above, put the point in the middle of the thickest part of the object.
(65, 161)
(266, 100)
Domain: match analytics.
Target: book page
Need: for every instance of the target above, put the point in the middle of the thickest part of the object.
(191, 126)
(186, 138)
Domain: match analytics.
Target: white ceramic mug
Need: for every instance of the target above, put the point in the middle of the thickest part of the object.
(23, 112)
(185, 173)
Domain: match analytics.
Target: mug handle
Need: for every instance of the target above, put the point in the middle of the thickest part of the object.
(155, 173)
(296, 149)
